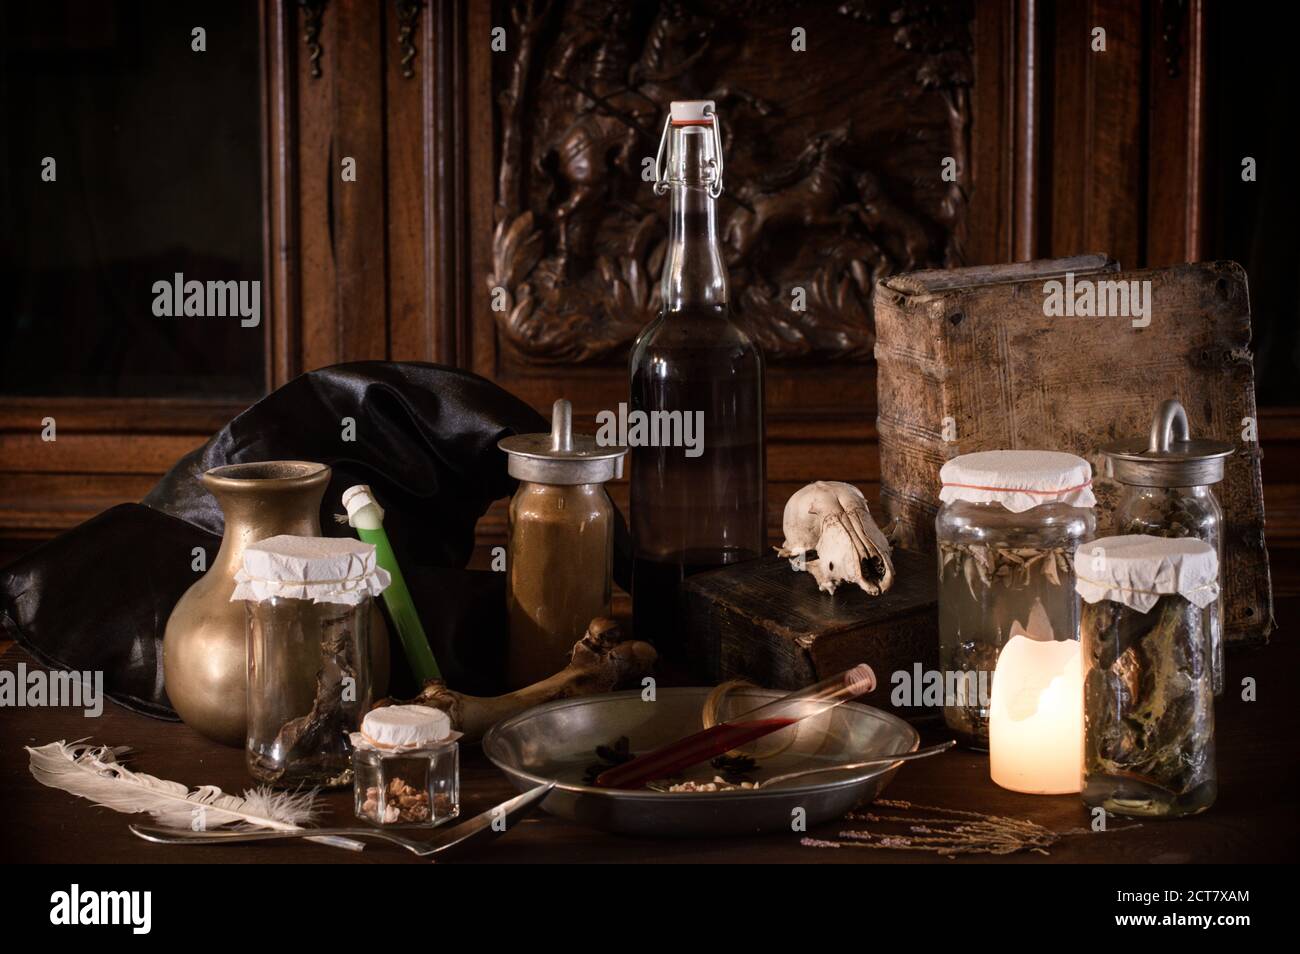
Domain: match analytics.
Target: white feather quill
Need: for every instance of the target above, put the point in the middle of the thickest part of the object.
(93, 772)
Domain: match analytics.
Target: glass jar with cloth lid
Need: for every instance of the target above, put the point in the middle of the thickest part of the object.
(1007, 530)
(308, 602)
(406, 767)
(1148, 696)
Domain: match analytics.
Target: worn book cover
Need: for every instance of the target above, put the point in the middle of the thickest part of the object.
(760, 620)
(1071, 354)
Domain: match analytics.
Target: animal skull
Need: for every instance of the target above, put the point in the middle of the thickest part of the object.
(831, 518)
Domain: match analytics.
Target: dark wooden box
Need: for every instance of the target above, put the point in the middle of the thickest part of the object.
(968, 361)
(765, 622)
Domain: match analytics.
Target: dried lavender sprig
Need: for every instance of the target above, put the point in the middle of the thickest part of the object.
(961, 832)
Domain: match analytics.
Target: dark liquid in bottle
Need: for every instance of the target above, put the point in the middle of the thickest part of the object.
(694, 511)
(657, 606)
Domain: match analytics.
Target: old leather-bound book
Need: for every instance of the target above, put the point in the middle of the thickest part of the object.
(1070, 354)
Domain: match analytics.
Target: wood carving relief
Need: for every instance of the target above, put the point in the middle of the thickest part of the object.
(312, 13)
(835, 161)
(408, 21)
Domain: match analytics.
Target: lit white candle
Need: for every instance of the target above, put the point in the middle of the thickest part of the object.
(1036, 717)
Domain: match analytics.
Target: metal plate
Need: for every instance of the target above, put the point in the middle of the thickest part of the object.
(557, 741)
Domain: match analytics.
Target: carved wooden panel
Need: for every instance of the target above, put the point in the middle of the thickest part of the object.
(839, 123)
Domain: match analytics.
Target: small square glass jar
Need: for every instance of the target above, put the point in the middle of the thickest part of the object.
(416, 788)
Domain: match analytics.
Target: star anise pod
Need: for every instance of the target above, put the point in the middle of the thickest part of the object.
(735, 768)
(610, 754)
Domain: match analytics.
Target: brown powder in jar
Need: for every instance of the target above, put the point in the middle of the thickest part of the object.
(559, 565)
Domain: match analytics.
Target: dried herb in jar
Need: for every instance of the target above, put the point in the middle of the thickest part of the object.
(1007, 529)
(982, 565)
(1148, 697)
(987, 589)
(1175, 512)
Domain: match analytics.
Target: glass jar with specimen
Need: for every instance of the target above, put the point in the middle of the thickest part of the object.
(1148, 693)
(1007, 530)
(560, 558)
(308, 605)
(698, 483)
(406, 767)
(1167, 491)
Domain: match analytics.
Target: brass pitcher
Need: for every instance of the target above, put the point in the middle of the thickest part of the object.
(204, 662)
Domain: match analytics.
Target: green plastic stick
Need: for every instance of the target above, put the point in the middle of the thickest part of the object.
(365, 515)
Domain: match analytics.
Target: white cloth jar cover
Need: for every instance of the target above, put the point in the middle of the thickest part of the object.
(404, 729)
(1019, 480)
(320, 569)
(1138, 569)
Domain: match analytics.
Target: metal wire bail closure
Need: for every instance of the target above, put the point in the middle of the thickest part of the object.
(715, 187)
(661, 156)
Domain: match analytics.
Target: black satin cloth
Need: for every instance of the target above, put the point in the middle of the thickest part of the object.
(98, 596)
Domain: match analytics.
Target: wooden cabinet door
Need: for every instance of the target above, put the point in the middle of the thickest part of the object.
(131, 160)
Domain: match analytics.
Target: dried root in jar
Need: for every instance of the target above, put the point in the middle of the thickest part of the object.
(403, 804)
(1148, 694)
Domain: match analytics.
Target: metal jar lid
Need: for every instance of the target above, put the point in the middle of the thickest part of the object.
(1170, 458)
(562, 457)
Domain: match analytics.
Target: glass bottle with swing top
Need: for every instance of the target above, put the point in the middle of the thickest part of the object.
(698, 497)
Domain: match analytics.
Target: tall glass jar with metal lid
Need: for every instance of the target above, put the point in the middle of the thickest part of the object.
(1168, 491)
(560, 555)
(1007, 530)
(1148, 702)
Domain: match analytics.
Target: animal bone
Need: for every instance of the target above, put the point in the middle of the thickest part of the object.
(601, 660)
(830, 520)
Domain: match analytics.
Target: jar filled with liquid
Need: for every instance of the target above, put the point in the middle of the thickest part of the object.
(1007, 530)
(560, 554)
(1148, 696)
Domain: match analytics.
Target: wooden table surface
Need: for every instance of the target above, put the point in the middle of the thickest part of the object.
(1254, 819)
